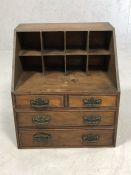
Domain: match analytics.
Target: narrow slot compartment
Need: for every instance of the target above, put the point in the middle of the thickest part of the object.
(31, 63)
(54, 63)
(76, 40)
(76, 62)
(98, 62)
(99, 39)
(53, 40)
(29, 40)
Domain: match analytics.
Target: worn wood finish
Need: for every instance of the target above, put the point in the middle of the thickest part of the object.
(64, 27)
(106, 101)
(24, 101)
(65, 84)
(65, 119)
(73, 82)
(66, 52)
(65, 138)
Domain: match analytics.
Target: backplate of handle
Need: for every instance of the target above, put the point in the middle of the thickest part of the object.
(90, 138)
(40, 120)
(92, 119)
(39, 102)
(92, 102)
(41, 137)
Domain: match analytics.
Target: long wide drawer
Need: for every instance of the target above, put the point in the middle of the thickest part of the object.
(65, 137)
(92, 101)
(65, 119)
(39, 101)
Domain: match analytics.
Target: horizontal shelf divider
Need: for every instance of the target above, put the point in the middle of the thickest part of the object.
(29, 53)
(53, 52)
(76, 52)
(99, 52)
(66, 52)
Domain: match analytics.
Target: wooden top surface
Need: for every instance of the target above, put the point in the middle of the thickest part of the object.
(64, 27)
(57, 82)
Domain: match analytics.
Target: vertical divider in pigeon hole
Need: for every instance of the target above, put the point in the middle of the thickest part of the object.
(65, 51)
(87, 49)
(42, 50)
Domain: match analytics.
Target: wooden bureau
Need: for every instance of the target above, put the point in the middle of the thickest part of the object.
(65, 85)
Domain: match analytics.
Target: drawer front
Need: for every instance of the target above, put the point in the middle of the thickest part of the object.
(92, 101)
(65, 119)
(39, 101)
(67, 138)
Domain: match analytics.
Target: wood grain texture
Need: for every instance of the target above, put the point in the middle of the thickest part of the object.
(57, 82)
(66, 52)
(65, 27)
(65, 119)
(65, 138)
(24, 101)
(77, 101)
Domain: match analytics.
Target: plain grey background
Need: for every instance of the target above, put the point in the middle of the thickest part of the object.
(13, 12)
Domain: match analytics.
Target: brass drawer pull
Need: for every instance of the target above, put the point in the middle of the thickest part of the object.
(40, 120)
(92, 102)
(39, 102)
(41, 137)
(90, 138)
(91, 119)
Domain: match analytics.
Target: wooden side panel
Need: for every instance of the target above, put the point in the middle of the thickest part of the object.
(111, 67)
(16, 65)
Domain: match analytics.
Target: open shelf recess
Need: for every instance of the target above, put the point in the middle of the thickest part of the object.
(65, 50)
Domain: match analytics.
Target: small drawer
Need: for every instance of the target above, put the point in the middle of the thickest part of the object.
(39, 101)
(92, 101)
(65, 119)
(65, 137)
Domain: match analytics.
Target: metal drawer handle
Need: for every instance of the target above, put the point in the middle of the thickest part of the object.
(40, 120)
(92, 102)
(91, 119)
(39, 102)
(41, 137)
(90, 138)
